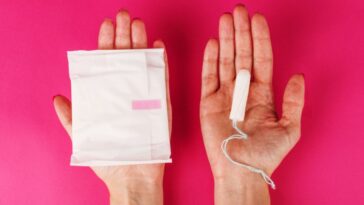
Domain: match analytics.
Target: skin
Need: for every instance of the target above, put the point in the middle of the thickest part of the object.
(246, 44)
(132, 184)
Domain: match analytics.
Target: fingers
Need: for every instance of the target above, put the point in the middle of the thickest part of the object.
(123, 36)
(226, 38)
(160, 44)
(210, 80)
(63, 109)
(139, 35)
(293, 101)
(263, 55)
(128, 34)
(106, 35)
(243, 43)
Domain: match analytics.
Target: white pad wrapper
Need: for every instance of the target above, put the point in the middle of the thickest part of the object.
(119, 107)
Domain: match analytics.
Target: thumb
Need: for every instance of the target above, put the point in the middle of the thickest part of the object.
(293, 101)
(63, 109)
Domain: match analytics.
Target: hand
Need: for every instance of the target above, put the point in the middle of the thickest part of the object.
(242, 46)
(132, 184)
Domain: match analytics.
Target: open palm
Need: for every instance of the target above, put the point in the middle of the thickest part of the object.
(242, 46)
(127, 34)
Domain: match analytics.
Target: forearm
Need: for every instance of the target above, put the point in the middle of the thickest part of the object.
(137, 193)
(249, 190)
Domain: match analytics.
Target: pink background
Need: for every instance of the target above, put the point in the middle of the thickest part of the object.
(323, 39)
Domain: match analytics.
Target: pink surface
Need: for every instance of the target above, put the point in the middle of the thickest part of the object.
(146, 104)
(323, 39)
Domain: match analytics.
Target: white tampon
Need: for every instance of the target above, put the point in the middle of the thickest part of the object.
(237, 114)
(240, 96)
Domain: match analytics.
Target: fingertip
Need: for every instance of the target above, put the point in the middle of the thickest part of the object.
(122, 30)
(226, 15)
(259, 21)
(56, 99)
(139, 34)
(107, 28)
(226, 18)
(297, 80)
(106, 34)
(212, 43)
(295, 90)
(63, 110)
(107, 23)
(258, 17)
(239, 8)
(123, 14)
(158, 44)
(211, 50)
(138, 24)
(59, 100)
(293, 103)
(300, 82)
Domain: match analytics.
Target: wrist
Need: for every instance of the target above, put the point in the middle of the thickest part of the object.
(243, 181)
(136, 192)
(247, 188)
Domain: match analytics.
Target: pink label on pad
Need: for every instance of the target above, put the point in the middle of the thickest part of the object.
(146, 104)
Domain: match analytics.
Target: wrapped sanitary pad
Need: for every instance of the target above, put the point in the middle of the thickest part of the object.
(119, 107)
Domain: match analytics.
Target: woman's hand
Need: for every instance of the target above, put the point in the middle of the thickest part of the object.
(245, 44)
(132, 184)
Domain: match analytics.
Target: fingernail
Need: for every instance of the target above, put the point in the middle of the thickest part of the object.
(54, 96)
